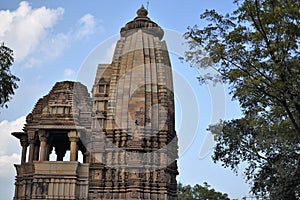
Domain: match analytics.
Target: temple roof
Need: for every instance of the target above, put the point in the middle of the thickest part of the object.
(64, 105)
(142, 21)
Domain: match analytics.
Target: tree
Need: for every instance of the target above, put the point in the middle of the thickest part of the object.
(7, 80)
(255, 49)
(184, 192)
(199, 192)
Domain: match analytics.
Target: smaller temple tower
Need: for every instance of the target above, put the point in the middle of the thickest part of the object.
(51, 127)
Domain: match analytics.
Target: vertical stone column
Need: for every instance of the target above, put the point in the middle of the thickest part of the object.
(34, 188)
(48, 150)
(86, 157)
(61, 188)
(43, 136)
(72, 189)
(73, 138)
(55, 188)
(36, 151)
(24, 144)
(31, 140)
(50, 189)
(67, 188)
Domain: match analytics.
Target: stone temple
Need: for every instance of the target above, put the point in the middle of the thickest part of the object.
(124, 131)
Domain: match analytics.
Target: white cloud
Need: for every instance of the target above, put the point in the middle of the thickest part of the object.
(7, 164)
(87, 26)
(10, 148)
(8, 143)
(29, 32)
(68, 72)
(24, 28)
(50, 47)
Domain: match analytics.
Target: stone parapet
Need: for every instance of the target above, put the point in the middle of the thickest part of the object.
(52, 180)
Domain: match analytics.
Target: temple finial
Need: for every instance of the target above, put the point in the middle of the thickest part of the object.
(142, 22)
(142, 12)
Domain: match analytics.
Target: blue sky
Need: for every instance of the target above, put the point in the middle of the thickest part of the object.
(55, 40)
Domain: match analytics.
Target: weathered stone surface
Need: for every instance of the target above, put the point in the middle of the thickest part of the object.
(126, 131)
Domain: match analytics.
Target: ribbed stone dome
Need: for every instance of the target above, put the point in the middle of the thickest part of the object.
(142, 22)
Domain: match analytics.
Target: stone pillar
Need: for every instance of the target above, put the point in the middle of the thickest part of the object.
(67, 188)
(72, 189)
(50, 189)
(73, 137)
(61, 188)
(36, 151)
(31, 140)
(24, 144)
(43, 136)
(48, 150)
(86, 157)
(55, 188)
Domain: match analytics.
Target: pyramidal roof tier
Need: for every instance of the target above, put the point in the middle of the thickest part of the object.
(142, 22)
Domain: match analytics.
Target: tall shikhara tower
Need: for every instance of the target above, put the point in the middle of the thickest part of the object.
(125, 131)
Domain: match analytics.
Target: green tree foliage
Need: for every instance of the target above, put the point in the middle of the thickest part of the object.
(7, 80)
(199, 192)
(255, 49)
